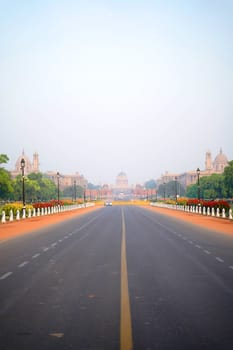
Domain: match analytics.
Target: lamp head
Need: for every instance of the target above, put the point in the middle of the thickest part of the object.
(22, 163)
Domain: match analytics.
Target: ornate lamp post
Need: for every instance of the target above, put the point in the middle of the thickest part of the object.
(22, 163)
(176, 188)
(198, 184)
(84, 195)
(75, 190)
(58, 187)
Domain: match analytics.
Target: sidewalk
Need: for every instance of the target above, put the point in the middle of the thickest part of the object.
(209, 222)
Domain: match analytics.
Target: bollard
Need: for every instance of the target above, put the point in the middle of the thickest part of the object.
(3, 216)
(230, 214)
(212, 212)
(34, 212)
(17, 215)
(29, 213)
(24, 214)
(223, 213)
(11, 215)
(218, 213)
(38, 211)
(208, 211)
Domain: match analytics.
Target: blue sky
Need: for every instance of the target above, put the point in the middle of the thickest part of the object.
(103, 86)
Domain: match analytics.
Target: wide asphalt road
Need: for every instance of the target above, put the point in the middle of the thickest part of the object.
(117, 278)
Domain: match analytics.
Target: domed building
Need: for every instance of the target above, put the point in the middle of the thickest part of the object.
(122, 190)
(122, 181)
(30, 167)
(190, 177)
(220, 162)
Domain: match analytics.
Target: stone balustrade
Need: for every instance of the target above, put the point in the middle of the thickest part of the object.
(31, 213)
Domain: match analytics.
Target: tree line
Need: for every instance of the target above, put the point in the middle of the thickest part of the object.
(38, 187)
(211, 187)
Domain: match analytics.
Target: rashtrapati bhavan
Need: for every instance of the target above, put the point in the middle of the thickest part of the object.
(33, 167)
(215, 166)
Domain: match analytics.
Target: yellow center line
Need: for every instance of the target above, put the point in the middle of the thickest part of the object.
(126, 341)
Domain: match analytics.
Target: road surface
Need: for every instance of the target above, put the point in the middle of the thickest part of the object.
(117, 278)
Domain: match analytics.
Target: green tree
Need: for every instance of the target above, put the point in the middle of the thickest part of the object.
(37, 188)
(5, 179)
(69, 192)
(191, 191)
(212, 186)
(228, 179)
(150, 184)
(3, 158)
(47, 189)
(170, 189)
(6, 187)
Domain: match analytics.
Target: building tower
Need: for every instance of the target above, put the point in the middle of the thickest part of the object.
(208, 162)
(35, 163)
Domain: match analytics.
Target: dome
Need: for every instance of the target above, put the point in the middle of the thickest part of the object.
(121, 180)
(121, 174)
(221, 158)
(220, 162)
(28, 165)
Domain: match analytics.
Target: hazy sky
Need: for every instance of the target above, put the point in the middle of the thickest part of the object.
(99, 87)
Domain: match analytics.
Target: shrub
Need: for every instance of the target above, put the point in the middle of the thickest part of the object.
(15, 206)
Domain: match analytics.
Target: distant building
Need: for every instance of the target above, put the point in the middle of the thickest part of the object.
(33, 167)
(122, 190)
(190, 177)
(30, 167)
(66, 180)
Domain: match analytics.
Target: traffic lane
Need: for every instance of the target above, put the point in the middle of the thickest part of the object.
(216, 244)
(72, 300)
(177, 300)
(26, 247)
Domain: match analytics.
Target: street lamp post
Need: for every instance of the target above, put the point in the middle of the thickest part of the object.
(84, 195)
(58, 187)
(198, 184)
(176, 188)
(164, 191)
(75, 190)
(22, 163)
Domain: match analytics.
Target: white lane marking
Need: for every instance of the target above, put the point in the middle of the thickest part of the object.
(219, 259)
(35, 256)
(23, 264)
(198, 246)
(191, 242)
(54, 244)
(207, 251)
(65, 237)
(231, 267)
(3, 277)
(45, 249)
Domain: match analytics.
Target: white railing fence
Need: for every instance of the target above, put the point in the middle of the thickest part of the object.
(31, 213)
(197, 209)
